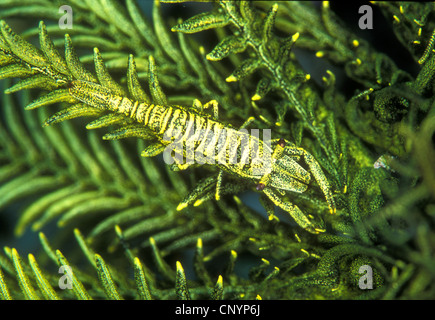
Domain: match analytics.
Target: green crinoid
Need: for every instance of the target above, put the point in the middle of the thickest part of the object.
(92, 198)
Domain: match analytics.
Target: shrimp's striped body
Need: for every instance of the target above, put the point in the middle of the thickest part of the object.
(205, 135)
(272, 169)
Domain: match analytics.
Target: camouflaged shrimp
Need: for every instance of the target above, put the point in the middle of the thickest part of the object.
(189, 126)
(177, 123)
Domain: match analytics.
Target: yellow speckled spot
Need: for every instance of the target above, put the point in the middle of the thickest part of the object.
(256, 97)
(197, 203)
(297, 238)
(295, 37)
(181, 206)
(237, 200)
(305, 251)
(179, 267)
(231, 78)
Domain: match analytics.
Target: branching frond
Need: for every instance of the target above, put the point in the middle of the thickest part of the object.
(98, 189)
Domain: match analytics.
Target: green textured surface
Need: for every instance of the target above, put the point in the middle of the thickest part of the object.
(367, 118)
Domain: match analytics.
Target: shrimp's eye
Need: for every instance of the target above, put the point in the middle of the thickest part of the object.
(281, 142)
(260, 186)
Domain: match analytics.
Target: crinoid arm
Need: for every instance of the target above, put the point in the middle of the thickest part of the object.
(317, 173)
(294, 211)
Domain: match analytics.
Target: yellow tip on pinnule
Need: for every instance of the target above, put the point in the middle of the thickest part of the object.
(320, 54)
(295, 37)
(31, 258)
(256, 97)
(355, 43)
(231, 78)
(237, 200)
(181, 206)
(297, 238)
(199, 243)
(358, 61)
(278, 124)
(396, 18)
(307, 76)
(152, 241)
(201, 50)
(220, 280)
(179, 267)
(197, 203)
(325, 4)
(258, 297)
(118, 230)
